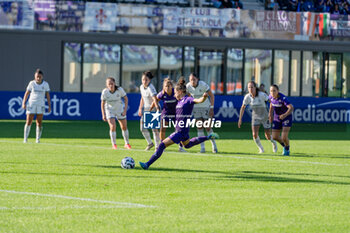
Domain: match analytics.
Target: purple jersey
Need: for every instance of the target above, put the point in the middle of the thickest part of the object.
(169, 103)
(279, 105)
(184, 109)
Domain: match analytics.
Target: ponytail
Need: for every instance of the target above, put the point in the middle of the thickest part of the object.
(180, 86)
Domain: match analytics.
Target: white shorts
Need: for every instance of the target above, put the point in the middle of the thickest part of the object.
(35, 109)
(265, 122)
(199, 113)
(115, 114)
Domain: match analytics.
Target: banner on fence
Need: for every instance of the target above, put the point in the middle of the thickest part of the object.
(17, 14)
(86, 106)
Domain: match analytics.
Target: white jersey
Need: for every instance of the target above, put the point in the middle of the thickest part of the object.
(113, 101)
(37, 92)
(197, 92)
(257, 104)
(147, 94)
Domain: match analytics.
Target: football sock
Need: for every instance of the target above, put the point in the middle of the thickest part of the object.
(258, 143)
(39, 131)
(287, 147)
(274, 143)
(213, 143)
(147, 136)
(200, 133)
(282, 144)
(196, 141)
(26, 131)
(113, 136)
(126, 136)
(156, 137)
(156, 154)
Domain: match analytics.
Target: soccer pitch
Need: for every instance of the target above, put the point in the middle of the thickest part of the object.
(72, 182)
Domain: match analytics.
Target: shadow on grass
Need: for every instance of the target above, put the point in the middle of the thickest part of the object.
(278, 155)
(260, 176)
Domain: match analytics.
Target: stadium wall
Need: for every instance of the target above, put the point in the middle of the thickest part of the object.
(22, 51)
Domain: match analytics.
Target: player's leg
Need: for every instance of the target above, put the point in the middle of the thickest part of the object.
(125, 132)
(197, 140)
(276, 131)
(39, 127)
(163, 127)
(146, 135)
(200, 133)
(214, 147)
(156, 137)
(112, 132)
(27, 126)
(285, 139)
(256, 138)
(267, 128)
(165, 143)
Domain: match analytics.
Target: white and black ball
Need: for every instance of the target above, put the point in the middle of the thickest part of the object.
(128, 163)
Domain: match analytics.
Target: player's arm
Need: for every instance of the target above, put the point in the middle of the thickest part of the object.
(155, 103)
(48, 100)
(26, 94)
(241, 112)
(271, 113)
(289, 111)
(141, 106)
(126, 101)
(103, 110)
(212, 101)
(202, 99)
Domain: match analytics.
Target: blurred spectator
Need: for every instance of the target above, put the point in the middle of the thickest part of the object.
(320, 5)
(328, 6)
(346, 9)
(336, 10)
(237, 4)
(262, 88)
(307, 5)
(226, 4)
(293, 5)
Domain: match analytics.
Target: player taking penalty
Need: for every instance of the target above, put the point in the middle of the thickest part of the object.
(184, 110)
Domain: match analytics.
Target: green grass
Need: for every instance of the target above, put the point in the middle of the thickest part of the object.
(236, 190)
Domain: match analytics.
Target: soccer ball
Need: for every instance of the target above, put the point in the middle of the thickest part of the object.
(128, 163)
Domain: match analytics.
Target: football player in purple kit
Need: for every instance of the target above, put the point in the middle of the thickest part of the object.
(167, 95)
(181, 135)
(280, 114)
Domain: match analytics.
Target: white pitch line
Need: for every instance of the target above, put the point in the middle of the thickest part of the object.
(286, 160)
(125, 204)
(63, 207)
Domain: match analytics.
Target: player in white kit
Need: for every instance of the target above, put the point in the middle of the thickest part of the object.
(257, 101)
(37, 89)
(148, 95)
(203, 111)
(112, 107)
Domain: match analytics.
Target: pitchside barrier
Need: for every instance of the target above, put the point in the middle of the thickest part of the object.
(86, 106)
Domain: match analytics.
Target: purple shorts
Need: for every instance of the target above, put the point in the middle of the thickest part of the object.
(178, 137)
(279, 124)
